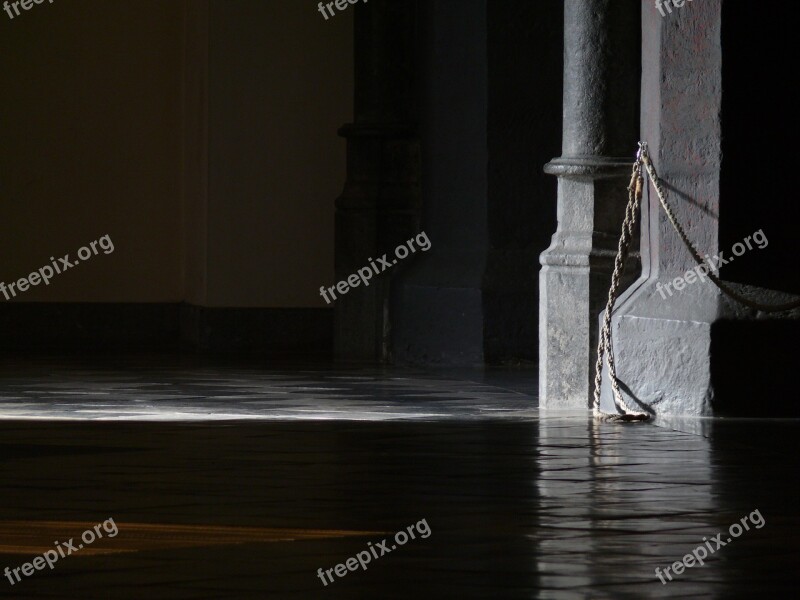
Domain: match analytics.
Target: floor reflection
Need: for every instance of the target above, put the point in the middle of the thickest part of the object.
(520, 505)
(618, 501)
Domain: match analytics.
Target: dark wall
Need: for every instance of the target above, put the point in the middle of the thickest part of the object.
(525, 48)
(437, 299)
(758, 151)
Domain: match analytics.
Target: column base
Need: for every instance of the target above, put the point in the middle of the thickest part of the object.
(667, 347)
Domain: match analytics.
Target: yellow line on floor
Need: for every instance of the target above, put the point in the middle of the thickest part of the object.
(35, 537)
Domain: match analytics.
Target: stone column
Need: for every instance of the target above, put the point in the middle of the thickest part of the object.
(379, 207)
(600, 130)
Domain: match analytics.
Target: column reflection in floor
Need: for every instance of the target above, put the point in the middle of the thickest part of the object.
(617, 501)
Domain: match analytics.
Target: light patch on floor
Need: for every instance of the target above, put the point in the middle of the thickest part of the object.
(165, 395)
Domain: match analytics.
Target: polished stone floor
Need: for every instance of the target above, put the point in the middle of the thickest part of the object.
(241, 482)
